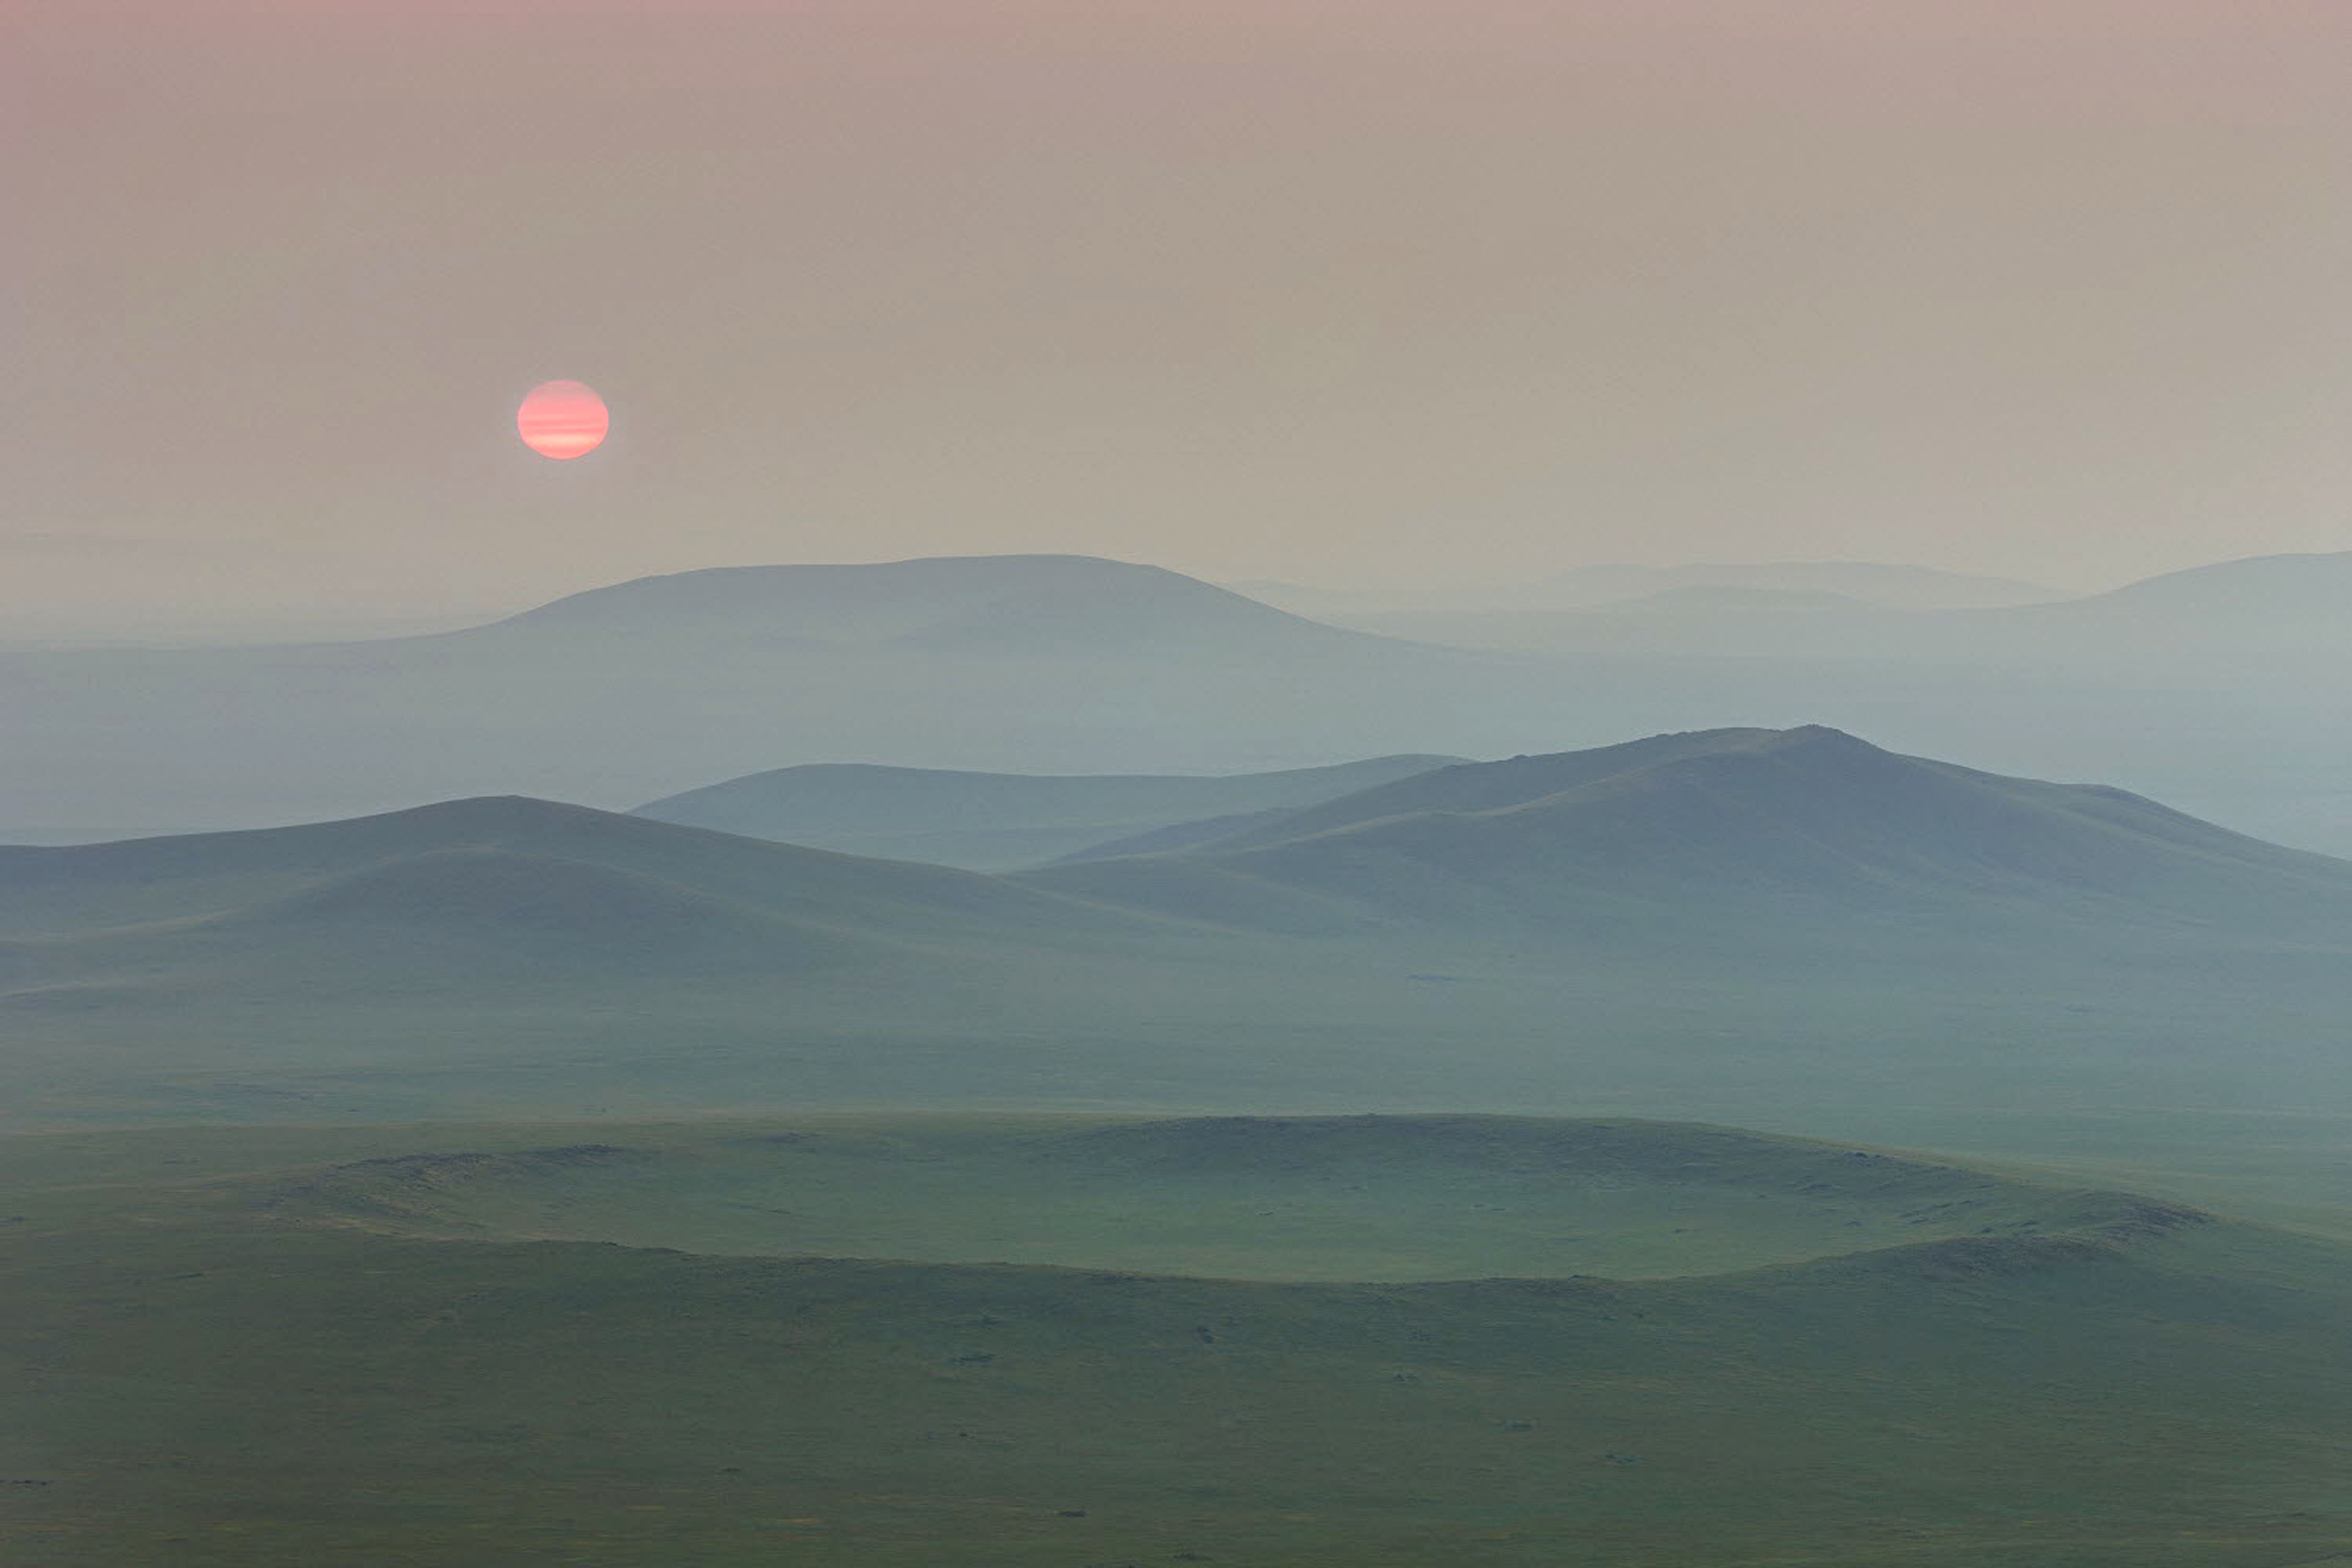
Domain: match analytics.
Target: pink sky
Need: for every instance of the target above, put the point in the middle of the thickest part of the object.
(1348, 292)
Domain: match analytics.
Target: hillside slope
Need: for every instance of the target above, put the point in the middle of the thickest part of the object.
(1713, 829)
(994, 822)
(397, 856)
(1720, 919)
(472, 907)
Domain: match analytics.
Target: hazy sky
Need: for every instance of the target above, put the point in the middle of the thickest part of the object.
(1342, 291)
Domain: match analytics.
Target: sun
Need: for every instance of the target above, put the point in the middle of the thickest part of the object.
(562, 420)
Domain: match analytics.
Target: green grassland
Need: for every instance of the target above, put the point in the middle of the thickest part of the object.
(378, 1346)
(1350, 1198)
(2203, 1084)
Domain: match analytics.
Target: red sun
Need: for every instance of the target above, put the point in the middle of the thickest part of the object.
(562, 420)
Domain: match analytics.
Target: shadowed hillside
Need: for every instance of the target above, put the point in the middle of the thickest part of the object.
(475, 900)
(1807, 826)
(446, 913)
(994, 822)
(402, 860)
(1710, 920)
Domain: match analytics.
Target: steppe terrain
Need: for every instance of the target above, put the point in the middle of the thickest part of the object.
(1071, 1342)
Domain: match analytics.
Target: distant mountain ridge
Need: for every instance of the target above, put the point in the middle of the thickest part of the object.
(1010, 604)
(2262, 603)
(1016, 664)
(2214, 611)
(1883, 585)
(1891, 585)
(2263, 584)
(1051, 664)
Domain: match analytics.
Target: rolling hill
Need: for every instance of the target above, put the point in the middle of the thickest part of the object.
(2217, 688)
(467, 907)
(995, 821)
(2271, 616)
(2307, 590)
(1023, 605)
(1724, 830)
(1708, 922)
(533, 862)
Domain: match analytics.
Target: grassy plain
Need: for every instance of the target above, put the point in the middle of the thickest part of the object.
(284, 1345)
(2205, 1085)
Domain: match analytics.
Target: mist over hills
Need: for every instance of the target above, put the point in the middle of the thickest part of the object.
(2281, 619)
(1072, 665)
(1880, 583)
(2245, 655)
(2269, 588)
(995, 821)
(1809, 822)
(2221, 611)
(622, 695)
(1885, 583)
(522, 953)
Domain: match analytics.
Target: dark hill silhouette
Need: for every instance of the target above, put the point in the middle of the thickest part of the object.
(1808, 828)
(995, 821)
(1027, 605)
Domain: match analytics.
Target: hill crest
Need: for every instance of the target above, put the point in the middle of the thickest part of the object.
(1008, 604)
(1720, 829)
